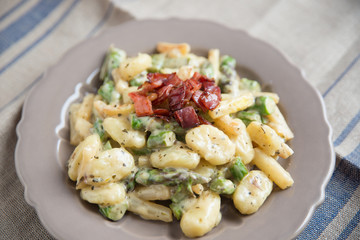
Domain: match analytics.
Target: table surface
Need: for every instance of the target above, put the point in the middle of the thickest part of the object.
(320, 37)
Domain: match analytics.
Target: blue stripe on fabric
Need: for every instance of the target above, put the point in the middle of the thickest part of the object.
(11, 10)
(343, 183)
(341, 75)
(102, 21)
(66, 13)
(347, 129)
(354, 156)
(22, 26)
(350, 227)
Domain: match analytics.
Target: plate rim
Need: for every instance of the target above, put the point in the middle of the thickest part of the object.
(20, 126)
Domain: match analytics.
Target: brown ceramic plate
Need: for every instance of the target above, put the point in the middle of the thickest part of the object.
(43, 147)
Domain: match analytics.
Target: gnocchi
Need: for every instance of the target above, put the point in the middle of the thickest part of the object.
(119, 129)
(179, 155)
(236, 130)
(131, 67)
(203, 216)
(92, 144)
(80, 120)
(108, 194)
(206, 169)
(211, 143)
(107, 166)
(252, 192)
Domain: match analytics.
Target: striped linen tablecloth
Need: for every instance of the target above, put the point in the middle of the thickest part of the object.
(320, 37)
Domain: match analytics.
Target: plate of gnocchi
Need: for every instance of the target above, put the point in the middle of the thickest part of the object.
(194, 131)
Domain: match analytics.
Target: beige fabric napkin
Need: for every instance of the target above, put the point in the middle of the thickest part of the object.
(22, 64)
(320, 37)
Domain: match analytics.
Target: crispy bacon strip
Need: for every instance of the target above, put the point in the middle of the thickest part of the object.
(187, 117)
(177, 98)
(162, 111)
(170, 96)
(163, 94)
(209, 100)
(142, 104)
(173, 80)
(211, 88)
(196, 99)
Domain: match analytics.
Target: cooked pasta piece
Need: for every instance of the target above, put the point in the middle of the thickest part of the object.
(268, 140)
(179, 155)
(236, 130)
(80, 119)
(120, 130)
(149, 210)
(125, 94)
(252, 192)
(106, 110)
(205, 169)
(174, 49)
(91, 143)
(144, 161)
(153, 192)
(108, 194)
(214, 59)
(185, 72)
(285, 151)
(86, 107)
(131, 67)
(120, 84)
(203, 216)
(278, 123)
(232, 105)
(107, 166)
(272, 169)
(211, 143)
